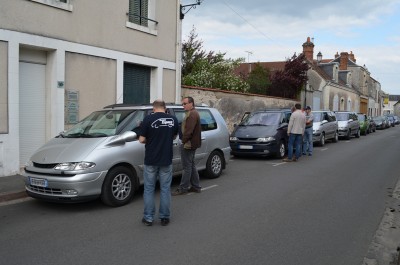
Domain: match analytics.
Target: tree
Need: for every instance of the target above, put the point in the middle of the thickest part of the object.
(258, 80)
(209, 69)
(290, 81)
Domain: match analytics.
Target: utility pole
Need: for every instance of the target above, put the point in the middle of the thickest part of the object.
(248, 59)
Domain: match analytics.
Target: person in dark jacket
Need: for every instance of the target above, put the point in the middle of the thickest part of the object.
(191, 140)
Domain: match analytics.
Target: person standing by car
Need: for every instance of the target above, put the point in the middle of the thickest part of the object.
(191, 140)
(295, 132)
(158, 132)
(308, 133)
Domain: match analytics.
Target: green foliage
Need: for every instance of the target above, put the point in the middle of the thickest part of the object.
(258, 80)
(207, 69)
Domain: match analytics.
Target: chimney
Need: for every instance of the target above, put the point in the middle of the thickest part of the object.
(308, 49)
(344, 56)
(336, 55)
(352, 57)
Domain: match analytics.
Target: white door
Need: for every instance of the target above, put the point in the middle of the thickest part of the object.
(32, 109)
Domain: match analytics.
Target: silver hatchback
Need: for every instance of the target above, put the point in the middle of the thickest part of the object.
(101, 156)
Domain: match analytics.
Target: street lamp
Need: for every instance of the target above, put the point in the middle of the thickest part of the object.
(183, 8)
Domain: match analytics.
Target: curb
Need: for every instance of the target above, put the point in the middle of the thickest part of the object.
(10, 196)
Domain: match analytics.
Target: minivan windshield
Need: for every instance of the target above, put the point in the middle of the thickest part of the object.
(317, 116)
(262, 119)
(106, 123)
(342, 116)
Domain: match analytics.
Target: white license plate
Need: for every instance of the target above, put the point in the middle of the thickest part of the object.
(38, 182)
(245, 147)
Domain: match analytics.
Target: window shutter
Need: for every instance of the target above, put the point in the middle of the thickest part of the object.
(137, 10)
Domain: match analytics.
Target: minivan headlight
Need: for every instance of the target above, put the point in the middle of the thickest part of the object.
(75, 166)
(265, 139)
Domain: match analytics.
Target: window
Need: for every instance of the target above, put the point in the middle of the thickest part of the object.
(61, 4)
(138, 12)
(141, 16)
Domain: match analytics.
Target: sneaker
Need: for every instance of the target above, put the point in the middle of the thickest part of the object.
(294, 159)
(193, 189)
(309, 154)
(179, 192)
(147, 223)
(287, 160)
(164, 221)
(304, 154)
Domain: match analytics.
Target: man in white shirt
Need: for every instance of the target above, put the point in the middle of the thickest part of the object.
(297, 124)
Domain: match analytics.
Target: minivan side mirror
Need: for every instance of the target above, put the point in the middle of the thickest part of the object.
(283, 125)
(324, 121)
(127, 136)
(350, 119)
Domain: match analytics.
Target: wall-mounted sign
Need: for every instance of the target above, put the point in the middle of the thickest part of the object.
(71, 107)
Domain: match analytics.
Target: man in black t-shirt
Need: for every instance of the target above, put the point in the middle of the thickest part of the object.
(158, 130)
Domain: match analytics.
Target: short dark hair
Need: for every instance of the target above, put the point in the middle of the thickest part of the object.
(158, 103)
(190, 99)
(297, 106)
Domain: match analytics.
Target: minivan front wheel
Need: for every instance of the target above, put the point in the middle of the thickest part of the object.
(214, 165)
(281, 150)
(322, 139)
(118, 187)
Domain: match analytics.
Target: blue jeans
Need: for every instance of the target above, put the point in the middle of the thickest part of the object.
(294, 139)
(308, 141)
(190, 176)
(164, 175)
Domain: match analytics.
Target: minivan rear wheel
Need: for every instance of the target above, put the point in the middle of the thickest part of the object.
(214, 165)
(336, 137)
(118, 187)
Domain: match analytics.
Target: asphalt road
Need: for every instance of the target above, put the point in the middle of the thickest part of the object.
(324, 209)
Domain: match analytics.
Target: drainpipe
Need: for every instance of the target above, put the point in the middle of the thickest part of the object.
(178, 90)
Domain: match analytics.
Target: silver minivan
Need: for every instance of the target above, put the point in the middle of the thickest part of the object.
(101, 156)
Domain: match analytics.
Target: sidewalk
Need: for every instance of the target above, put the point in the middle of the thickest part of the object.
(12, 188)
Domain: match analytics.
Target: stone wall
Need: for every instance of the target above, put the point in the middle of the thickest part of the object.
(233, 105)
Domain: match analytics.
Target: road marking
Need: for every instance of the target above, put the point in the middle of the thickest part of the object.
(278, 164)
(16, 201)
(203, 189)
(324, 149)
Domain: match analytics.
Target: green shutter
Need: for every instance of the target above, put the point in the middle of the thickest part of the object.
(138, 9)
(136, 84)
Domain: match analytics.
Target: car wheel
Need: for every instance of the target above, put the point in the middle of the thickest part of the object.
(322, 140)
(365, 133)
(118, 187)
(214, 165)
(282, 150)
(335, 137)
(358, 134)
(348, 135)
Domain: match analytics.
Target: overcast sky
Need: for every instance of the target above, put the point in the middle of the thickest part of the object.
(275, 30)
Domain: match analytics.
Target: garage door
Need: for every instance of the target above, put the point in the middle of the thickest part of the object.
(32, 109)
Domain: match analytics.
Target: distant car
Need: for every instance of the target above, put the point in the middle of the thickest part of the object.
(364, 123)
(380, 122)
(390, 117)
(101, 156)
(372, 124)
(396, 119)
(261, 133)
(325, 127)
(348, 124)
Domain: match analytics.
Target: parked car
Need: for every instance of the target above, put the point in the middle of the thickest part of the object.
(101, 156)
(390, 117)
(381, 122)
(348, 124)
(261, 133)
(325, 127)
(396, 119)
(364, 123)
(372, 124)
